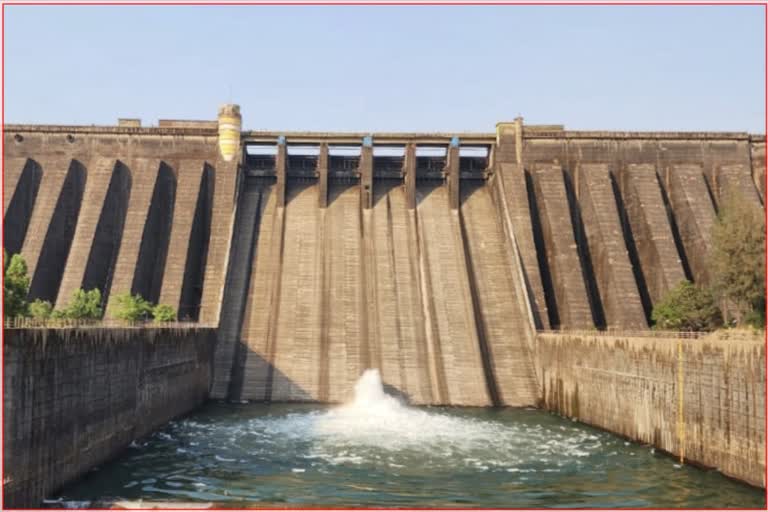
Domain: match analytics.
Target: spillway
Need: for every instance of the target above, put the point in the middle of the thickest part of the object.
(430, 296)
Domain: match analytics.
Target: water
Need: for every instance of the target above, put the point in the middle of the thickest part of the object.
(378, 452)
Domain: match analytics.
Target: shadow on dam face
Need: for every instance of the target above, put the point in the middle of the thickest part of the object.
(19, 213)
(150, 265)
(58, 238)
(109, 233)
(197, 251)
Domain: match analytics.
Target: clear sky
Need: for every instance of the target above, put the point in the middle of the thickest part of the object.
(450, 68)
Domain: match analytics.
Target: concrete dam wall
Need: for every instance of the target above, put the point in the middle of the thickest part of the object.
(433, 257)
(75, 398)
(703, 399)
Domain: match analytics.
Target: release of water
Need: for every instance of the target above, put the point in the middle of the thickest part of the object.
(377, 451)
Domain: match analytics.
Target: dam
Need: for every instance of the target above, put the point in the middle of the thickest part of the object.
(454, 263)
(433, 257)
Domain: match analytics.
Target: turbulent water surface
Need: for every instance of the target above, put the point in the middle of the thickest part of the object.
(377, 452)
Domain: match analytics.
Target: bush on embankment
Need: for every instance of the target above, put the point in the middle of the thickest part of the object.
(135, 308)
(84, 305)
(687, 307)
(736, 296)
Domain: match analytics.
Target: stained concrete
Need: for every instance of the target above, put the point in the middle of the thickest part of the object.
(75, 398)
(630, 386)
(438, 273)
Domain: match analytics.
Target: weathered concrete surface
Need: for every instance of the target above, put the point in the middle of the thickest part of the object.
(757, 153)
(659, 259)
(228, 335)
(425, 298)
(452, 333)
(74, 398)
(12, 170)
(512, 182)
(570, 292)
(112, 165)
(297, 353)
(101, 172)
(504, 326)
(694, 212)
(630, 386)
(343, 267)
(608, 251)
(190, 186)
(736, 179)
(55, 170)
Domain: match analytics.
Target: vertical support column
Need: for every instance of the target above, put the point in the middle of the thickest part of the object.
(322, 173)
(409, 169)
(280, 170)
(453, 173)
(519, 140)
(366, 173)
(226, 178)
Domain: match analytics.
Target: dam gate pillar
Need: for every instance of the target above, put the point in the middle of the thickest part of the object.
(366, 173)
(453, 170)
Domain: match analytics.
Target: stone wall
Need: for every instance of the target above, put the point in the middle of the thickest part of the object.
(630, 386)
(77, 397)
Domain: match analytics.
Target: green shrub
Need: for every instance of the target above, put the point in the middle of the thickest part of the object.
(15, 287)
(738, 259)
(40, 309)
(132, 308)
(83, 306)
(686, 307)
(164, 313)
(755, 318)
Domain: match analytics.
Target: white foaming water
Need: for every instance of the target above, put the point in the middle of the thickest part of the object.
(374, 424)
(377, 428)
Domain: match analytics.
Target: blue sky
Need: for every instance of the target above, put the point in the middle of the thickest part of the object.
(450, 68)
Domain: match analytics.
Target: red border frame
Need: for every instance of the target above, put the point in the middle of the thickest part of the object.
(288, 3)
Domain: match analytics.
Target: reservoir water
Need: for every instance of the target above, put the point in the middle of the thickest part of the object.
(376, 451)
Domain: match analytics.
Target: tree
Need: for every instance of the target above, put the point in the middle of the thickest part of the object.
(164, 313)
(15, 287)
(738, 257)
(40, 309)
(84, 305)
(686, 307)
(132, 307)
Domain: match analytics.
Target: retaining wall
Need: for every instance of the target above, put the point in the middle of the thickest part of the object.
(631, 386)
(74, 398)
